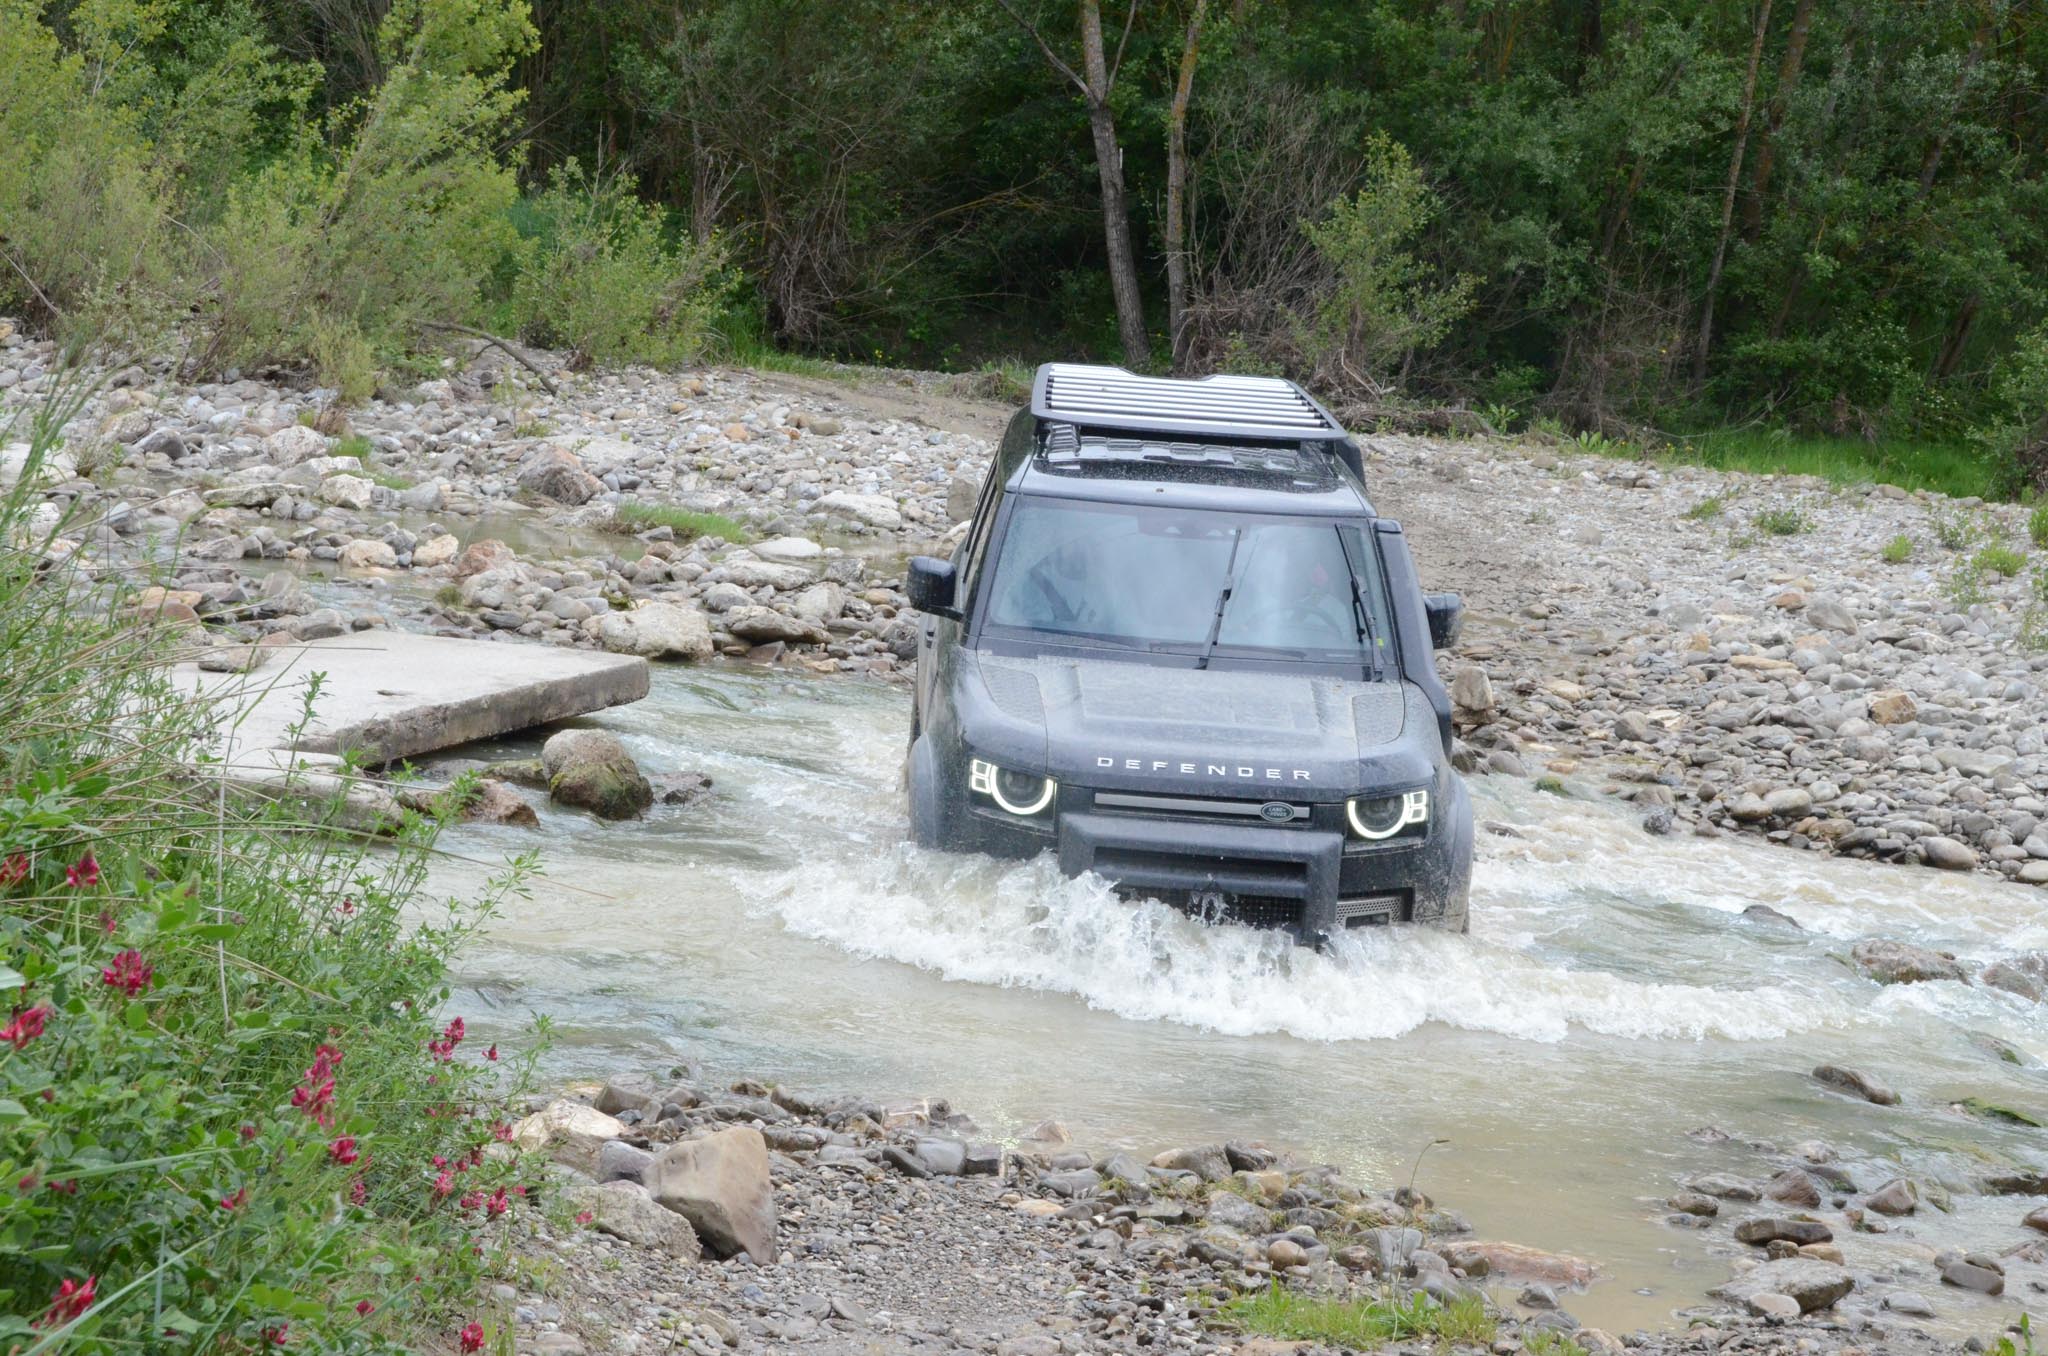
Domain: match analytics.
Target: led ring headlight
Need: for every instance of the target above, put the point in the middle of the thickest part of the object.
(1020, 793)
(1379, 817)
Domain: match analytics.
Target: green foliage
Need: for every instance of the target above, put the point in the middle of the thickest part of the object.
(2024, 1329)
(2000, 560)
(352, 445)
(1955, 529)
(1782, 522)
(603, 277)
(2037, 526)
(1545, 1342)
(228, 1083)
(1361, 1324)
(687, 524)
(1952, 469)
(1385, 303)
(1706, 510)
(1898, 550)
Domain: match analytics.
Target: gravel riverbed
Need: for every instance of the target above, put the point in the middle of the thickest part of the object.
(1728, 654)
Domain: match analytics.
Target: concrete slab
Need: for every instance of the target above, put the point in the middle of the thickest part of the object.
(393, 694)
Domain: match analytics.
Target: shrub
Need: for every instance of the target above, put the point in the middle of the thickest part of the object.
(602, 278)
(1706, 509)
(2000, 560)
(2037, 526)
(231, 1116)
(1783, 522)
(1898, 550)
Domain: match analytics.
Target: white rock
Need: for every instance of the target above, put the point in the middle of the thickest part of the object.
(349, 492)
(293, 444)
(872, 509)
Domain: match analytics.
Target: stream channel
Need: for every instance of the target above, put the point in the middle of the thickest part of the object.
(1610, 1005)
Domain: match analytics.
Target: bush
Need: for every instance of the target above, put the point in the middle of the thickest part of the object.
(1706, 509)
(1783, 522)
(2000, 560)
(231, 1115)
(2037, 526)
(602, 277)
(1898, 550)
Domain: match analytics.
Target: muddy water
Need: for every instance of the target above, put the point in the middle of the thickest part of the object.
(1610, 999)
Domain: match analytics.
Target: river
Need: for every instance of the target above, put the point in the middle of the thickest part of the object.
(1610, 1004)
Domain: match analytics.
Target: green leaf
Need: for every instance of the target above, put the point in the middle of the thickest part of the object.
(177, 1320)
(136, 1017)
(11, 1110)
(214, 932)
(10, 978)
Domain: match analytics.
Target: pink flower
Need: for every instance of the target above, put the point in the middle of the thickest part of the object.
(25, 1027)
(358, 1191)
(492, 1054)
(70, 1301)
(129, 973)
(473, 1337)
(248, 1132)
(84, 873)
(497, 1205)
(343, 1150)
(471, 1200)
(236, 1201)
(584, 1217)
(365, 1308)
(444, 1184)
(502, 1132)
(278, 1334)
(13, 870)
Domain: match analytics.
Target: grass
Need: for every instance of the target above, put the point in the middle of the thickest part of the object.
(1291, 1317)
(1706, 509)
(2037, 526)
(1898, 550)
(1783, 522)
(1954, 469)
(688, 524)
(352, 445)
(1545, 1342)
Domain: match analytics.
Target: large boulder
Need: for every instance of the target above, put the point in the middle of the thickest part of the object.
(591, 770)
(367, 553)
(656, 630)
(720, 1184)
(557, 473)
(1810, 1283)
(1890, 962)
(1482, 1257)
(435, 551)
(346, 491)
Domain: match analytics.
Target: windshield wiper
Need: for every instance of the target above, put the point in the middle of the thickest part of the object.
(1222, 599)
(1360, 612)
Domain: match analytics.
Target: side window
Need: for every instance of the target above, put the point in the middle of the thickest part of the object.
(1015, 446)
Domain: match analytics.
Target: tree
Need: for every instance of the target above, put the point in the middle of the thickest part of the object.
(1177, 335)
(1095, 82)
(1706, 339)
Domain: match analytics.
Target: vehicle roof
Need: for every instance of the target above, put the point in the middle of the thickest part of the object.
(1329, 492)
(1218, 406)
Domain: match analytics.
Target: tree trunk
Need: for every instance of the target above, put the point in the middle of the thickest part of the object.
(1177, 192)
(1958, 338)
(1789, 68)
(1930, 163)
(1116, 217)
(1706, 339)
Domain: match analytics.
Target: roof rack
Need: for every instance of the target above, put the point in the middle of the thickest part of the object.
(1226, 406)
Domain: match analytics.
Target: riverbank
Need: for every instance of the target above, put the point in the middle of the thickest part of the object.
(688, 1216)
(1845, 670)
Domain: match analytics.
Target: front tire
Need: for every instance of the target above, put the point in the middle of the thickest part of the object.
(933, 809)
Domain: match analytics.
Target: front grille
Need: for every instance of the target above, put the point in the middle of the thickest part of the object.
(1371, 910)
(1297, 815)
(1194, 874)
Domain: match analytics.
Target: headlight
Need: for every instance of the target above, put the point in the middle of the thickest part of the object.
(1378, 817)
(1021, 793)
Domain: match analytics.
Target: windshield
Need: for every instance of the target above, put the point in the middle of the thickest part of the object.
(1202, 582)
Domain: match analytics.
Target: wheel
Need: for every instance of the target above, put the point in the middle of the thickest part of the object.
(933, 813)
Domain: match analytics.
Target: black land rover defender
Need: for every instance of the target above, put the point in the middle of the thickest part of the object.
(1178, 648)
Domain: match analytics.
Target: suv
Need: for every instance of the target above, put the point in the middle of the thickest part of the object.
(1178, 648)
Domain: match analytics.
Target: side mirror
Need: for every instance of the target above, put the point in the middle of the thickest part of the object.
(930, 586)
(1446, 612)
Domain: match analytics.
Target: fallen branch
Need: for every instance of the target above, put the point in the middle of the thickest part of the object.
(510, 351)
(52, 307)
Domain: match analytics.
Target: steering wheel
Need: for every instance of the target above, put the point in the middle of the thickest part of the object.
(1310, 616)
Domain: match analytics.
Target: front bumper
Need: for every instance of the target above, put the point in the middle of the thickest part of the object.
(1300, 878)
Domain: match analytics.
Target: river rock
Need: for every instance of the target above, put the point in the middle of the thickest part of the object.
(557, 473)
(1811, 1284)
(494, 802)
(1476, 1257)
(1856, 1083)
(591, 770)
(720, 1185)
(346, 491)
(569, 1132)
(1971, 1273)
(1771, 1228)
(293, 444)
(1793, 1187)
(1472, 695)
(1694, 1203)
(435, 551)
(657, 630)
(820, 604)
(482, 557)
(618, 1161)
(1947, 854)
(787, 550)
(2037, 1219)
(763, 625)
(365, 553)
(2025, 975)
(1235, 1212)
(1207, 1161)
(1911, 1303)
(623, 1209)
(872, 509)
(1725, 1187)
(1893, 708)
(1890, 962)
(1896, 1197)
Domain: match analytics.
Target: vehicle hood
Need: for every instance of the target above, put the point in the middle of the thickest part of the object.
(1229, 732)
